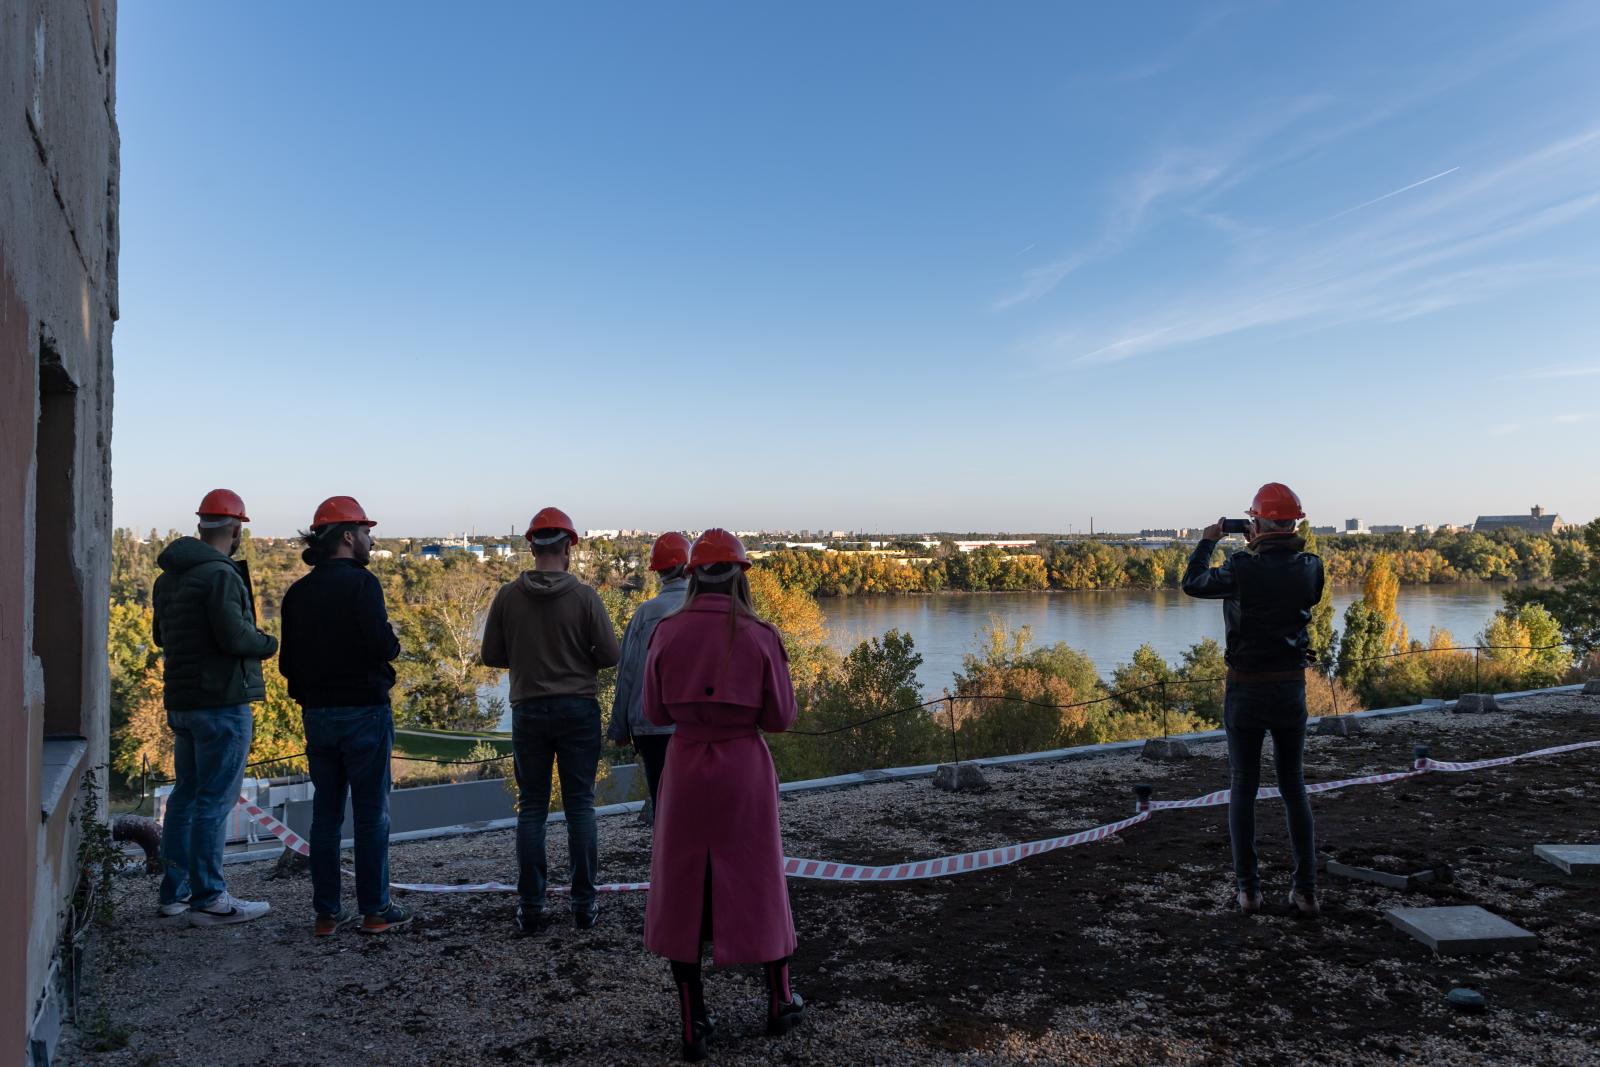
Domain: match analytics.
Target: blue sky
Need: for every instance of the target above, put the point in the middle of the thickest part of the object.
(887, 266)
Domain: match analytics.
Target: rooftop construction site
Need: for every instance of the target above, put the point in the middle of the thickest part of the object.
(1121, 951)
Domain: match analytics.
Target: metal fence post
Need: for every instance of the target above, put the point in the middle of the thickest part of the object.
(955, 753)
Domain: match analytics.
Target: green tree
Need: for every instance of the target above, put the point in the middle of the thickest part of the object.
(879, 675)
(1574, 600)
(1203, 675)
(132, 654)
(1524, 648)
(1365, 638)
(1321, 628)
(438, 609)
(1141, 685)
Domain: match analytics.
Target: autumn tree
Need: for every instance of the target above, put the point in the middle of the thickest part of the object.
(1574, 600)
(438, 609)
(1380, 589)
(800, 623)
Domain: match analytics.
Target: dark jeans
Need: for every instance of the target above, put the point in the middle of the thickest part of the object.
(564, 731)
(652, 749)
(208, 751)
(348, 749)
(1250, 711)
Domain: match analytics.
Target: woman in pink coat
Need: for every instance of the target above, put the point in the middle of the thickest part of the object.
(719, 674)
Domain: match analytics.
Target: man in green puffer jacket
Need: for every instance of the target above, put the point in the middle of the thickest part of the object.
(205, 624)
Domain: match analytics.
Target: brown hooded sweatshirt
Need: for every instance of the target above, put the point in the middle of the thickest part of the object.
(554, 634)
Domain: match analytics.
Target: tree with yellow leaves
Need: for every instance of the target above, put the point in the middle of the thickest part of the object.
(1380, 589)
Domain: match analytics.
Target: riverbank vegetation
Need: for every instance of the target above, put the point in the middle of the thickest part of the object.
(1087, 563)
(865, 708)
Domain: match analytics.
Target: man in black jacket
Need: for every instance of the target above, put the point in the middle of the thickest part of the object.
(1268, 590)
(337, 650)
(205, 624)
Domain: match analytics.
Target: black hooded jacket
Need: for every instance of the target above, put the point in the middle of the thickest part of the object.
(337, 642)
(205, 624)
(1268, 591)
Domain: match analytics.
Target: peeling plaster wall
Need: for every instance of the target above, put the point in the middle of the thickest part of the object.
(59, 173)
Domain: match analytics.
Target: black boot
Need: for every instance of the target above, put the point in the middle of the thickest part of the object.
(698, 1025)
(785, 1009)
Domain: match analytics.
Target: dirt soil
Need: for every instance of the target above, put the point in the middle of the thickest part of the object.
(1124, 952)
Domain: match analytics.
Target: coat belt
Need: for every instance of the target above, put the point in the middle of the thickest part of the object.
(702, 731)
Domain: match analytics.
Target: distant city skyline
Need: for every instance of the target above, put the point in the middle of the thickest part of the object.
(892, 267)
(514, 531)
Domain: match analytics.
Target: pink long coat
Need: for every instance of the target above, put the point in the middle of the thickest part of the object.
(718, 800)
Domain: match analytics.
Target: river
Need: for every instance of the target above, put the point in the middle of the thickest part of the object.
(1108, 625)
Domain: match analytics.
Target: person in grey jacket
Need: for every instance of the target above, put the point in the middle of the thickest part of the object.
(669, 558)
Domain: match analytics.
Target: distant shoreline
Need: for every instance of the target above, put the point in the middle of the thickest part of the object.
(916, 593)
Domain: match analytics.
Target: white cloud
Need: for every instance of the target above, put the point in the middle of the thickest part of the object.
(1561, 372)
(1413, 257)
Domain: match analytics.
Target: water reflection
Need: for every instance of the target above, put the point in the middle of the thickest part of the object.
(1109, 625)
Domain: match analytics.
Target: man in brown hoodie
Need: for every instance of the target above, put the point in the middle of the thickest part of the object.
(555, 635)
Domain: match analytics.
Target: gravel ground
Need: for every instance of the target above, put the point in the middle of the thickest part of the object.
(1123, 952)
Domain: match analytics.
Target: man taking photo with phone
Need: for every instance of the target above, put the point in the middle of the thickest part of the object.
(1268, 589)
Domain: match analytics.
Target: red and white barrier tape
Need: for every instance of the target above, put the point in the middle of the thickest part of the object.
(944, 866)
(503, 887)
(1220, 797)
(291, 840)
(1477, 765)
(1004, 856)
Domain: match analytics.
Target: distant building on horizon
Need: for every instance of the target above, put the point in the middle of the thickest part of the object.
(1536, 521)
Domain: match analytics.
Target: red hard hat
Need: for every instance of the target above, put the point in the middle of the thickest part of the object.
(340, 509)
(223, 502)
(551, 519)
(1275, 501)
(670, 550)
(718, 546)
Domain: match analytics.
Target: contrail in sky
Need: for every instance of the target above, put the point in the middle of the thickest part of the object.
(1397, 192)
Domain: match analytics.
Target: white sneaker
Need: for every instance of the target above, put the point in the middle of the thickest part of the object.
(176, 908)
(228, 909)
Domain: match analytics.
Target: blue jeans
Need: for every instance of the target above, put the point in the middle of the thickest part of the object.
(209, 747)
(348, 750)
(1250, 711)
(564, 731)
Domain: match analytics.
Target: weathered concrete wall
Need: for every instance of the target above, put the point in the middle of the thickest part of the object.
(59, 174)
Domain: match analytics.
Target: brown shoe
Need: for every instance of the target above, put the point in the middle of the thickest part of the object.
(328, 925)
(1305, 904)
(394, 917)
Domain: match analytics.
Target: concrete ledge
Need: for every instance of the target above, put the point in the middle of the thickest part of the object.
(63, 758)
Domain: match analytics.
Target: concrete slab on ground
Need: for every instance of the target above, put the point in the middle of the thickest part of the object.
(1462, 930)
(1165, 749)
(1574, 859)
